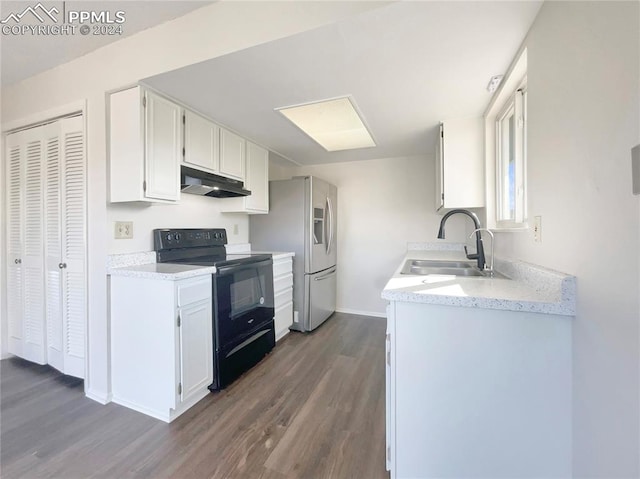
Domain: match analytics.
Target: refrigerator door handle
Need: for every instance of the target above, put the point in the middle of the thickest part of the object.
(325, 276)
(329, 220)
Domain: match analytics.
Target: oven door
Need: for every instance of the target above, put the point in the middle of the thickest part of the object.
(243, 300)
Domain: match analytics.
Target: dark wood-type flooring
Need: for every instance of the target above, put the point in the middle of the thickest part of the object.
(313, 408)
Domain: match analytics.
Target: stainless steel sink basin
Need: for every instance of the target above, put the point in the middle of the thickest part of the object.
(432, 263)
(445, 267)
(447, 271)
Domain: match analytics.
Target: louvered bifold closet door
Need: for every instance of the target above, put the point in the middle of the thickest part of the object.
(33, 252)
(53, 246)
(15, 152)
(74, 275)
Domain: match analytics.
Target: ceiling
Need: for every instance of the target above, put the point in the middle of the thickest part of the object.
(406, 65)
(26, 55)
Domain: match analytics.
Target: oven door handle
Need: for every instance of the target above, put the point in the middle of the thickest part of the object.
(223, 270)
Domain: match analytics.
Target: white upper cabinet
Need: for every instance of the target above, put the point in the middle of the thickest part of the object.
(201, 143)
(257, 181)
(232, 155)
(145, 147)
(460, 164)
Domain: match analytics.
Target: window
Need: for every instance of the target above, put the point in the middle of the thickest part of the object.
(506, 151)
(511, 155)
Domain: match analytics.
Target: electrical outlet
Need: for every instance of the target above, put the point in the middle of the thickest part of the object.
(235, 229)
(537, 229)
(123, 230)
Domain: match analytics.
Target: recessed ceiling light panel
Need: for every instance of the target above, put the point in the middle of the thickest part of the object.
(333, 124)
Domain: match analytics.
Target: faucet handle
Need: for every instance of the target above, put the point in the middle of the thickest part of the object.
(470, 256)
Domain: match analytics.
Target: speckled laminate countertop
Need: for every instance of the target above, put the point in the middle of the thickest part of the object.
(526, 287)
(163, 271)
(275, 254)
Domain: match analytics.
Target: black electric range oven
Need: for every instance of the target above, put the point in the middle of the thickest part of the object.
(243, 308)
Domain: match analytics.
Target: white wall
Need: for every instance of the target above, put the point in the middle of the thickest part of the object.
(583, 84)
(382, 204)
(220, 28)
(192, 212)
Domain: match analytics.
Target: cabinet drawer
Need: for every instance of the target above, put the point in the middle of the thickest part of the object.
(283, 297)
(283, 282)
(194, 291)
(281, 266)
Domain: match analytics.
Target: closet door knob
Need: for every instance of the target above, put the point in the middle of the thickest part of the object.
(62, 265)
(18, 261)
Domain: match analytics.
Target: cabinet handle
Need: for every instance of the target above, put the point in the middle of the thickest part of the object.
(389, 358)
(62, 265)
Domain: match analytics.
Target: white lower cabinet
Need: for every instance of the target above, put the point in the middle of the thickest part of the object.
(283, 295)
(477, 393)
(161, 344)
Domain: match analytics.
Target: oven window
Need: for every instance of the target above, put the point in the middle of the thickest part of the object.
(247, 292)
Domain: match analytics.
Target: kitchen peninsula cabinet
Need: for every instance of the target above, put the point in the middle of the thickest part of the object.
(477, 392)
(145, 145)
(479, 371)
(161, 337)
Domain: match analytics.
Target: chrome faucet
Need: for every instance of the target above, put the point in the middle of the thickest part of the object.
(493, 240)
(479, 254)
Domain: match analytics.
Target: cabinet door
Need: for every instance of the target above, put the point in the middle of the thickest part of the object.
(390, 411)
(440, 170)
(461, 163)
(15, 273)
(201, 142)
(195, 338)
(162, 148)
(232, 155)
(257, 178)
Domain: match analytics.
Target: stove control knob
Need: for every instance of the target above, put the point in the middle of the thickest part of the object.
(177, 236)
(168, 237)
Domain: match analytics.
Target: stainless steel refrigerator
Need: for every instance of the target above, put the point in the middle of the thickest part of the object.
(302, 218)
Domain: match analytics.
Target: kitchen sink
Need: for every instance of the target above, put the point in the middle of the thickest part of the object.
(431, 263)
(422, 267)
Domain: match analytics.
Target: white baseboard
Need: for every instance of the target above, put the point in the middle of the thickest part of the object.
(99, 396)
(361, 313)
